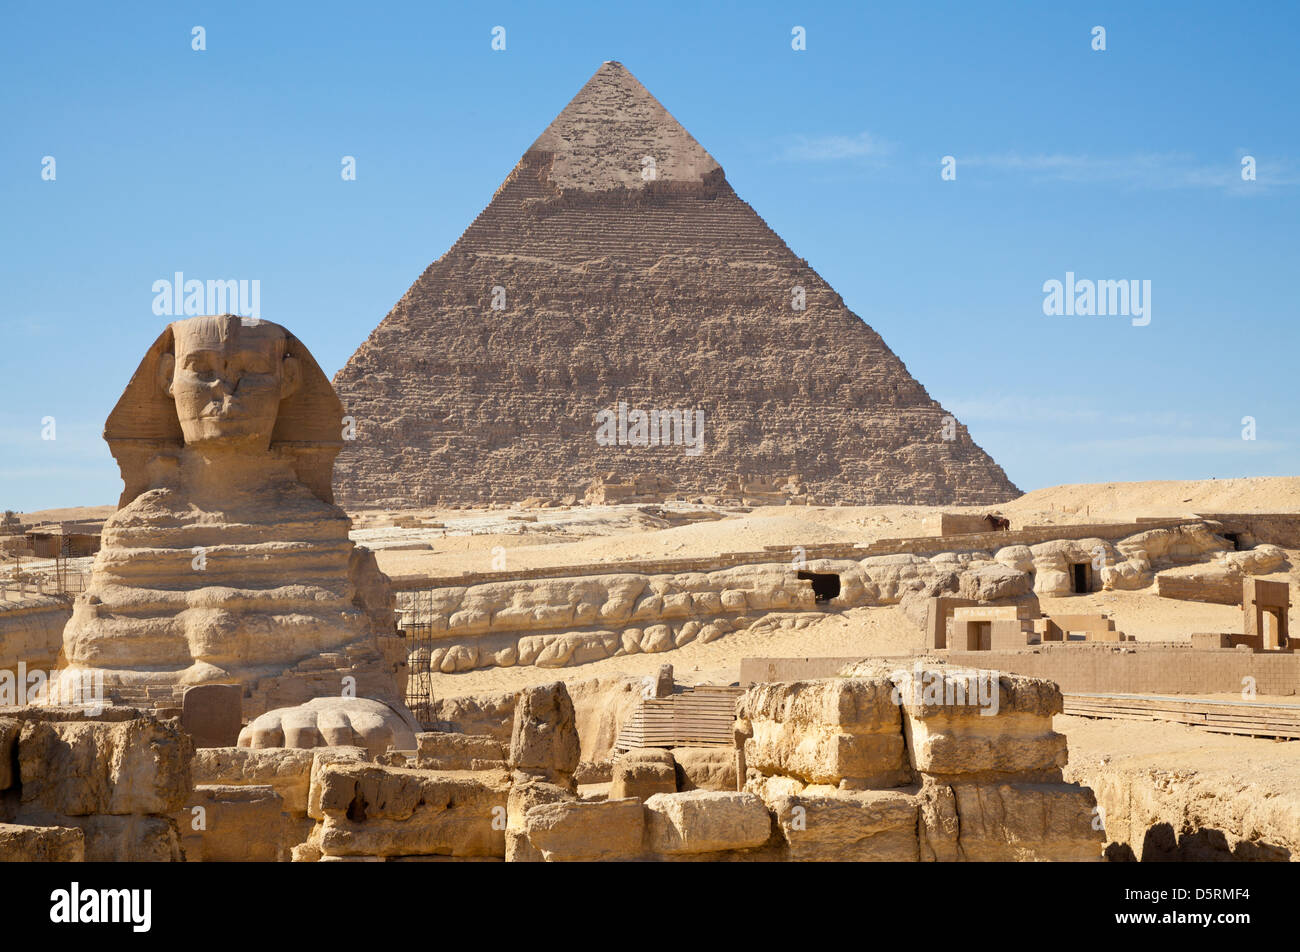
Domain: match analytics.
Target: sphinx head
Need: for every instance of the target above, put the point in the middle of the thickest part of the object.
(227, 376)
(226, 383)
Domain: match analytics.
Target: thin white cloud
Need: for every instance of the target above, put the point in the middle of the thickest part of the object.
(835, 148)
(1153, 170)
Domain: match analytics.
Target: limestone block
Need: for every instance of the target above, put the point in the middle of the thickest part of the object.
(80, 768)
(938, 826)
(705, 821)
(586, 830)
(371, 810)
(656, 638)
(642, 773)
(1129, 575)
(527, 792)
(1016, 557)
(31, 631)
(994, 581)
(128, 839)
(1022, 822)
(286, 769)
(234, 824)
(826, 731)
(1176, 545)
(321, 758)
(1052, 582)
(874, 826)
(954, 728)
(544, 739)
(491, 714)
(733, 600)
(1261, 560)
(41, 844)
(705, 768)
(333, 722)
(446, 751)
(556, 652)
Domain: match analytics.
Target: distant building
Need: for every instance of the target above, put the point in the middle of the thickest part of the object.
(73, 539)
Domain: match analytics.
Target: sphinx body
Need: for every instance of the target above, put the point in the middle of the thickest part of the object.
(227, 560)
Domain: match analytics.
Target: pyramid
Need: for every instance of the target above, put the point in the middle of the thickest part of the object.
(594, 279)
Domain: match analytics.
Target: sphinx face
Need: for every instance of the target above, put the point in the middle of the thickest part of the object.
(228, 378)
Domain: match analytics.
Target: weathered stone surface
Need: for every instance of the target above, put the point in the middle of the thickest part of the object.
(825, 732)
(544, 740)
(705, 768)
(9, 728)
(491, 714)
(954, 731)
(322, 757)
(1027, 822)
(586, 830)
(286, 769)
(577, 230)
(876, 826)
(1153, 814)
(234, 824)
(371, 810)
(213, 714)
(334, 722)
(527, 792)
(440, 750)
(227, 561)
(80, 768)
(128, 839)
(993, 582)
(41, 844)
(31, 631)
(643, 772)
(704, 821)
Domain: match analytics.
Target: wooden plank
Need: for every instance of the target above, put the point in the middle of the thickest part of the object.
(1226, 717)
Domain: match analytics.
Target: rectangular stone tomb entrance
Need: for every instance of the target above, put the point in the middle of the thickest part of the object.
(825, 585)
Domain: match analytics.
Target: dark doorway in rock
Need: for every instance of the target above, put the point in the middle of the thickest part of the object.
(826, 585)
(1235, 539)
(1079, 578)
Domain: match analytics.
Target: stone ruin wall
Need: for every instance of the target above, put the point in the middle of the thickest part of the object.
(833, 769)
(836, 771)
(556, 622)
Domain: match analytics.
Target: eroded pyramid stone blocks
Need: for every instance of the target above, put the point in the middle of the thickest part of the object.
(616, 266)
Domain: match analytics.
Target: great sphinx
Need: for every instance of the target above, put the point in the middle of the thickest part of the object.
(227, 560)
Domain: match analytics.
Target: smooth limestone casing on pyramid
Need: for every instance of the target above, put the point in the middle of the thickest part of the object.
(665, 294)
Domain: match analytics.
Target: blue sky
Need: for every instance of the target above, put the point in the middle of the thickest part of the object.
(1122, 164)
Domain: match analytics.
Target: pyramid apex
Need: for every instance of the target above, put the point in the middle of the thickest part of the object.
(612, 131)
